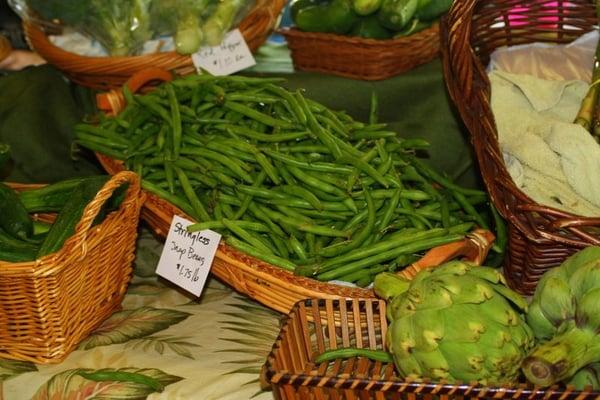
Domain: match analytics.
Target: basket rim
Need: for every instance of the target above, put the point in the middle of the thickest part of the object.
(293, 32)
(519, 390)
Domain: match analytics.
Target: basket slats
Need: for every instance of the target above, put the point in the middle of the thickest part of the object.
(540, 237)
(312, 327)
(359, 58)
(111, 72)
(49, 305)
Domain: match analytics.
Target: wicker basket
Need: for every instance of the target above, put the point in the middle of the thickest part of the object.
(540, 237)
(49, 305)
(314, 326)
(358, 58)
(111, 72)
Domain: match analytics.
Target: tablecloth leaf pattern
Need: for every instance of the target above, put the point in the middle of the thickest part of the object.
(207, 348)
(126, 384)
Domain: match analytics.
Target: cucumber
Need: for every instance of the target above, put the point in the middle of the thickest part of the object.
(395, 14)
(52, 198)
(14, 218)
(432, 9)
(68, 217)
(15, 250)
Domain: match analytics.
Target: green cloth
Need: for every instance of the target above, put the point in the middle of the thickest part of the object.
(38, 109)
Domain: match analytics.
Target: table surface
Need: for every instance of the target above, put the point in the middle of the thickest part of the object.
(212, 347)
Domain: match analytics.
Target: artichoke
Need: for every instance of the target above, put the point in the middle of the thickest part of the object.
(564, 315)
(458, 322)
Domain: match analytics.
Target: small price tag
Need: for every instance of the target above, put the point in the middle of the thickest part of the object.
(187, 256)
(231, 56)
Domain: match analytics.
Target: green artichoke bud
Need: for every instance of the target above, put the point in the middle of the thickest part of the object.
(455, 322)
(565, 316)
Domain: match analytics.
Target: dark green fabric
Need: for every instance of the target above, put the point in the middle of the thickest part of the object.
(38, 109)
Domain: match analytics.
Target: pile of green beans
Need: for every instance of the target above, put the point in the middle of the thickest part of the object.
(286, 179)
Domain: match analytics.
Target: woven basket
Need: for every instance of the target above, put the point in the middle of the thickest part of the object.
(49, 305)
(358, 58)
(110, 72)
(314, 326)
(540, 237)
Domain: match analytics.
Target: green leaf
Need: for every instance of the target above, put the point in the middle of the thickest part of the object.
(177, 344)
(12, 368)
(145, 289)
(105, 384)
(132, 324)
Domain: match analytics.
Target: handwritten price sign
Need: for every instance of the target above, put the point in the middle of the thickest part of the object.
(231, 56)
(187, 256)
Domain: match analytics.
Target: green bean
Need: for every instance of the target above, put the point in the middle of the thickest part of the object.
(253, 251)
(300, 203)
(412, 247)
(238, 167)
(314, 182)
(331, 125)
(359, 239)
(317, 166)
(191, 195)
(289, 212)
(262, 137)
(109, 151)
(175, 120)
(257, 115)
(260, 192)
(248, 198)
(244, 235)
(304, 148)
(218, 224)
(356, 135)
(291, 101)
(469, 209)
(432, 174)
(259, 214)
(86, 137)
(154, 107)
(305, 227)
(365, 167)
(305, 194)
(398, 239)
(322, 135)
(170, 176)
(228, 150)
(501, 234)
(267, 167)
(407, 194)
(107, 375)
(445, 212)
(101, 132)
(176, 200)
(298, 248)
(387, 214)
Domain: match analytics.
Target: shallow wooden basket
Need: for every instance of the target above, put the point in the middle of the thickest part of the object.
(359, 58)
(49, 305)
(275, 287)
(540, 237)
(316, 325)
(111, 72)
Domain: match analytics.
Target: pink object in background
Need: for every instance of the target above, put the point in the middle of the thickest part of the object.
(550, 12)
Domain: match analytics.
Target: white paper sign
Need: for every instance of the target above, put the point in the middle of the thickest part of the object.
(187, 256)
(231, 56)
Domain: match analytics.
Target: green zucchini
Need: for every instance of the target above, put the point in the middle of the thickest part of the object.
(15, 250)
(52, 198)
(14, 218)
(68, 217)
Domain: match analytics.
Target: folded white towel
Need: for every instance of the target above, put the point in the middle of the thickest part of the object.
(551, 159)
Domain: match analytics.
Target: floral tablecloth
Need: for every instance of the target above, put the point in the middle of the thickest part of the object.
(164, 344)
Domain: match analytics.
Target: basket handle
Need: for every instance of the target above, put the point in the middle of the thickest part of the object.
(474, 248)
(113, 101)
(93, 208)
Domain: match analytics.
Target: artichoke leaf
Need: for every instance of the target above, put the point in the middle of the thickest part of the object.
(429, 328)
(539, 322)
(489, 274)
(388, 285)
(574, 263)
(588, 310)
(556, 300)
(464, 324)
(433, 364)
(511, 296)
(585, 278)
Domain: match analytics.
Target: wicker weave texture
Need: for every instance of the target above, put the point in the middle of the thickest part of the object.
(49, 305)
(540, 237)
(358, 58)
(316, 325)
(111, 72)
